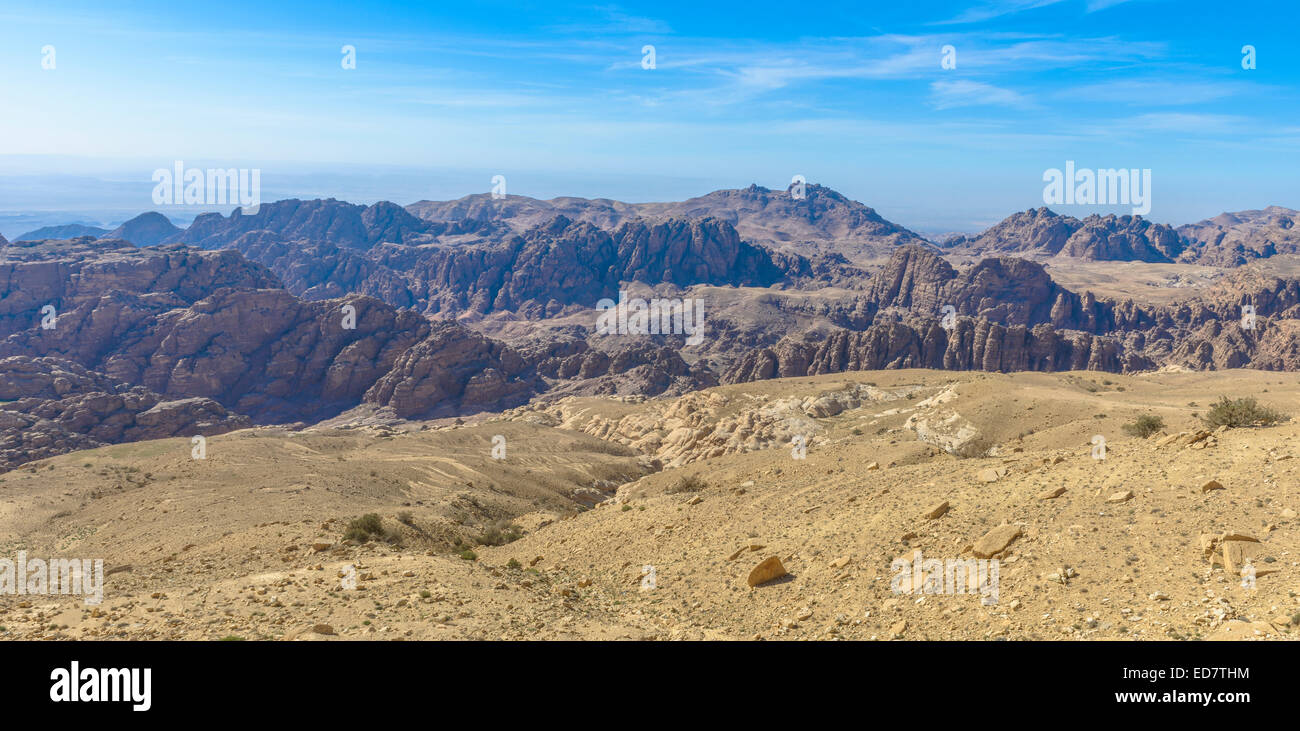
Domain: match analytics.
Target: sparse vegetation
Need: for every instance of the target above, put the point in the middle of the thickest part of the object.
(370, 526)
(469, 555)
(977, 447)
(499, 533)
(1241, 412)
(612, 448)
(1144, 426)
(689, 483)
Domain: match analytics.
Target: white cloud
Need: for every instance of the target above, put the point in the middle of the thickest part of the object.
(967, 93)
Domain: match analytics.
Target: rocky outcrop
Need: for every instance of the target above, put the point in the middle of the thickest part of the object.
(50, 406)
(1095, 238)
(146, 229)
(67, 275)
(262, 352)
(343, 224)
(757, 213)
(1232, 239)
(1009, 290)
(453, 370)
(704, 425)
(565, 263)
(537, 273)
(970, 345)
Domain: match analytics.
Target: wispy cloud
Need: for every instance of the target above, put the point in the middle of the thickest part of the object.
(1155, 91)
(990, 9)
(966, 93)
(996, 9)
(612, 19)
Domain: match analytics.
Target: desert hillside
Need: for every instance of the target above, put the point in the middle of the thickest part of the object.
(552, 541)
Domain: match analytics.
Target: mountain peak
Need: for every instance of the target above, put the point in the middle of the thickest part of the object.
(147, 229)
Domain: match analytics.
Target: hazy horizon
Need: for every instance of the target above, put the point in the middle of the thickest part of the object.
(941, 118)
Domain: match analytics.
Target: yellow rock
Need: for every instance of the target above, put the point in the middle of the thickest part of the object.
(937, 511)
(766, 571)
(996, 541)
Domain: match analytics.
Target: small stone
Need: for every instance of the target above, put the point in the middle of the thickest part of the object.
(872, 466)
(1211, 485)
(1120, 497)
(996, 541)
(937, 511)
(898, 629)
(1055, 492)
(766, 571)
(323, 629)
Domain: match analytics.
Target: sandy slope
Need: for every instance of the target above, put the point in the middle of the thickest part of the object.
(227, 546)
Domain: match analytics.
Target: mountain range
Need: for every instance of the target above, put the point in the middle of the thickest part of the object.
(318, 310)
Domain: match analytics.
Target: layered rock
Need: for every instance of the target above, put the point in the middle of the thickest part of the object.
(49, 406)
(70, 274)
(1094, 238)
(1232, 239)
(338, 222)
(758, 213)
(453, 370)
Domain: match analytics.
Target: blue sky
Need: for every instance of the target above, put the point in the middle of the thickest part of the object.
(553, 95)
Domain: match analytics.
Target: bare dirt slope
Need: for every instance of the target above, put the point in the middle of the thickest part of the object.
(249, 542)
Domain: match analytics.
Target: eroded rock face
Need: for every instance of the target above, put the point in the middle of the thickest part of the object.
(1232, 239)
(343, 224)
(450, 371)
(758, 213)
(260, 352)
(51, 406)
(702, 425)
(536, 273)
(1094, 238)
(69, 274)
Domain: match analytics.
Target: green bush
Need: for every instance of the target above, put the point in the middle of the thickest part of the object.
(1241, 412)
(370, 526)
(499, 533)
(1144, 426)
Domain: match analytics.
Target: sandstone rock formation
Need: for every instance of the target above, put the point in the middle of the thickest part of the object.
(50, 406)
(1232, 239)
(1096, 237)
